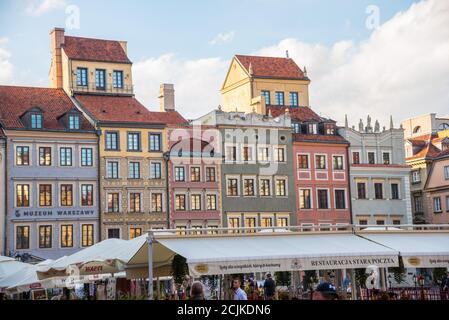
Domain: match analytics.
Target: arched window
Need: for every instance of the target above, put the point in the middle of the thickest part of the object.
(443, 126)
(417, 129)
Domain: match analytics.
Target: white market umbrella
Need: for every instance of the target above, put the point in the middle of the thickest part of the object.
(9, 266)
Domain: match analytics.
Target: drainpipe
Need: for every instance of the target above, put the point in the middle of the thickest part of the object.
(167, 187)
(5, 238)
(349, 184)
(99, 133)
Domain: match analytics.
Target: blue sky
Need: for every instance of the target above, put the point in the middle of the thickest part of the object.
(173, 41)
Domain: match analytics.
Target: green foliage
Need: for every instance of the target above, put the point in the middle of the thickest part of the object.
(438, 275)
(283, 278)
(399, 272)
(360, 277)
(179, 268)
(309, 279)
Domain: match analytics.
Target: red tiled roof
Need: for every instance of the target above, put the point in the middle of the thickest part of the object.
(15, 101)
(271, 67)
(94, 50)
(302, 114)
(428, 152)
(299, 137)
(442, 154)
(125, 109)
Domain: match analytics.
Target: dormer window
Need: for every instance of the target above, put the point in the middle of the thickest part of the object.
(36, 121)
(296, 127)
(117, 79)
(329, 129)
(312, 128)
(74, 122)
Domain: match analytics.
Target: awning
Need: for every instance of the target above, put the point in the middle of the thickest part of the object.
(227, 254)
(9, 266)
(418, 249)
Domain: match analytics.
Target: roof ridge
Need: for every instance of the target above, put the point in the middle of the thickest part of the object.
(96, 39)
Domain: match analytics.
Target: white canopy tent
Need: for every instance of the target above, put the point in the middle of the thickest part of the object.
(9, 266)
(418, 249)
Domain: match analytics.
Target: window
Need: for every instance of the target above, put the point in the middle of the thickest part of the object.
(81, 77)
(36, 121)
(247, 154)
(100, 82)
(329, 129)
(156, 202)
(155, 170)
(378, 190)
(45, 156)
(394, 191)
(294, 99)
(22, 156)
(416, 176)
(371, 158)
(266, 222)
(296, 127)
(281, 187)
(87, 195)
(338, 162)
(322, 199)
(45, 197)
(114, 233)
(65, 157)
(181, 230)
(264, 154)
(112, 170)
(356, 157)
(232, 187)
(320, 162)
(134, 202)
(135, 232)
(437, 205)
(282, 222)
(113, 202)
(248, 187)
(195, 175)
(195, 200)
(361, 190)
(86, 157)
(134, 170)
(179, 174)
(265, 188)
(66, 194)
(396, 222)
(303, 161)
(418, 204)
(112, 140)
(117, 79)
(180, 202)
(305, 201)
(234, 222)
(279, 154)
(446, 172)
(363, 222)
(211, 202)
(45, 237)
(74, 122)
(155, 142)
(266, 95)
(386, 157)
(87, 235)
(66, 236)
(210, 174)
(250, 222)
(22, 195)
(22, 237)
(340, 199)
(231, 153)
(312, 128)
(380, 222)
(133, 141)
(279, 98)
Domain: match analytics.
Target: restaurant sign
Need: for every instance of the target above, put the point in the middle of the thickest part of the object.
(300, 264)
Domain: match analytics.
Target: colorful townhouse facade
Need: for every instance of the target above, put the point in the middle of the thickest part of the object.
(274, 87)
(256, 183)
(97, 75)
(194, 178)
(51, 173)
(437, 188)
(379, 176)
(2, 193)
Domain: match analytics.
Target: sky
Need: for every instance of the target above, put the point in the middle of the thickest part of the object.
(371, 57)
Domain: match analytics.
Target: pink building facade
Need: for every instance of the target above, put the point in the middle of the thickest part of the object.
(193, 180)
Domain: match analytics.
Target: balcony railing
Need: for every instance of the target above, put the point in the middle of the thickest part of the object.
(91, 87)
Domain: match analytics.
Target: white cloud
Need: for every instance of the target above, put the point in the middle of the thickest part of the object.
(197, 82)
(223, 37)
(39, 7)
(402, 69)
(6, 67)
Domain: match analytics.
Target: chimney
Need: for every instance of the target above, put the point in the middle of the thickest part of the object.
(124, 45)
(167, 97)
(57, 42)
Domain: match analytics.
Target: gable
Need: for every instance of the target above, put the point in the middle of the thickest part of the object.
(236, 73)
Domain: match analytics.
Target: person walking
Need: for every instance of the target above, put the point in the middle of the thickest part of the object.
(239, 294)
(197, 291)
(269, 287)
(325, 291)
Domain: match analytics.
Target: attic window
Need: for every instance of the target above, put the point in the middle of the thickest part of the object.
(36, 121)
(74, 122)
(417, 129)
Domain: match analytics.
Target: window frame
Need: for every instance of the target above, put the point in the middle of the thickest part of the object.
(82, 77)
